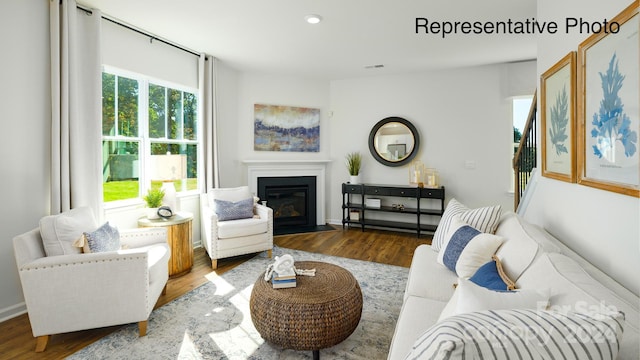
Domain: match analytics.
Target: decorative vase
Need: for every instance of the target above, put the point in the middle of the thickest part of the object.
(354, 179)
(416, 173)
(431, 178)
(152, 213)
(170, 195)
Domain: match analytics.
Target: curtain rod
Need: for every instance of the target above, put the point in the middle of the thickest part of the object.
(151, 37)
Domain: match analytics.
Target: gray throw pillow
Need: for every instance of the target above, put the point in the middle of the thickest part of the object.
(105, 238)
(229, 210)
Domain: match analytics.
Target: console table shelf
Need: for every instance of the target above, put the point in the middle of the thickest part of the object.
(354, 197)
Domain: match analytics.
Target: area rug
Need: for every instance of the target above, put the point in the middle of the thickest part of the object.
(213, 321)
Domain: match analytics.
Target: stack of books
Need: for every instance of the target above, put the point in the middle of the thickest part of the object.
(281, 281)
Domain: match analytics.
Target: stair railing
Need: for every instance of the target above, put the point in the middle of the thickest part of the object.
(524, 160)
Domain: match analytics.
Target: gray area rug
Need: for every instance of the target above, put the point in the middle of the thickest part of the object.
(213, 320)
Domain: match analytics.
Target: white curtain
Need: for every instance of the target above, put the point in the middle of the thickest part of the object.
(76, 108)
(208, 113)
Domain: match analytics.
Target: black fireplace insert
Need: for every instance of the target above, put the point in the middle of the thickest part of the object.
(292, 199)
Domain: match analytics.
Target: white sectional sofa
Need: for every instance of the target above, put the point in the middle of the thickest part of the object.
(534, 260)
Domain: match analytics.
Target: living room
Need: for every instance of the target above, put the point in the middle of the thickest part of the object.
(478, 126)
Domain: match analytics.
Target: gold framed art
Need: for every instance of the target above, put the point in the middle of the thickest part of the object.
(558, 91)
(608, 110)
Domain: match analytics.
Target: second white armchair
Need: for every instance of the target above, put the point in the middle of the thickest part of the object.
(234, 224)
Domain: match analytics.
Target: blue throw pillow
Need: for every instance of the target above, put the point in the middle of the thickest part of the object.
(491, 276)
(104, 238)
(229, 210)
(467, 249)
(459, 240)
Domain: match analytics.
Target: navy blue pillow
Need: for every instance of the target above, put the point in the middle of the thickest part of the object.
(459, 240)
(491, 276)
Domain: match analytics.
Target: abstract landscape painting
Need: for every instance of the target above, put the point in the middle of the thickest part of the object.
(286, 128)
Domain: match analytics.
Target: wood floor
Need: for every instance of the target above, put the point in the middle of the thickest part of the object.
(394, 248)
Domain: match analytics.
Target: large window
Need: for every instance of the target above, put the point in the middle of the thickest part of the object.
(142, 117)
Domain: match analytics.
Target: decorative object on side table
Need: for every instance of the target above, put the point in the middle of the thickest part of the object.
(169, 168)
(416, 173)
(165, 212)
(399, 207)
(372, 203)
(431, 178)
(154, 200)
(354, 162)
(281, 273)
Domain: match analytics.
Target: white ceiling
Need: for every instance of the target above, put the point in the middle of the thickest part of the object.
(272, 36)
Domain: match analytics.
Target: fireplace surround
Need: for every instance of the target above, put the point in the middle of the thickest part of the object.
(288, 169)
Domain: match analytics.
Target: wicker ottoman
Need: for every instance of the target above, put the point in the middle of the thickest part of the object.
(320, 312)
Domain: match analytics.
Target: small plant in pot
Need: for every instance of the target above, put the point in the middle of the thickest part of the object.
(154, 201)
(354, 162)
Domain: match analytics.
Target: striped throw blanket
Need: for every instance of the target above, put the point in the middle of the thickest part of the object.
(522, 334)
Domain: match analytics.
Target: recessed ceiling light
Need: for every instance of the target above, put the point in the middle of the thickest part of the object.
(313, 18)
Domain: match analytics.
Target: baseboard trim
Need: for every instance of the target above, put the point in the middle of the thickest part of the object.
(12, 311)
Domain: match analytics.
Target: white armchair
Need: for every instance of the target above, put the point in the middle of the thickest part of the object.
(73, 291)
(226, 238)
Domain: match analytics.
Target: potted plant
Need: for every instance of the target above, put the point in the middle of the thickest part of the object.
(354, 162)
(154, 201)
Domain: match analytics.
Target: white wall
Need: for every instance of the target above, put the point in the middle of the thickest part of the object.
(25, 104)
(462, 115)
(131, 51)
(602, 226)
(236, 144)
(470, 124)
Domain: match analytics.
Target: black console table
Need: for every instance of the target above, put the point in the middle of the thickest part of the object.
(355, 197)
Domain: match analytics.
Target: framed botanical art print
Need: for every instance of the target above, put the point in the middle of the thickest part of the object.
(558, 90)
(608, 110)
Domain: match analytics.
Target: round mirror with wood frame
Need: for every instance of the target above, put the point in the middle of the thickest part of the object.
(394, 141)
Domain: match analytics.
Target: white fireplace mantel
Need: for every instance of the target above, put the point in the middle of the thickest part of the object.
(288, 168)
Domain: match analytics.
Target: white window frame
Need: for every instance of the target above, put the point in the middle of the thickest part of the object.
(144, 147)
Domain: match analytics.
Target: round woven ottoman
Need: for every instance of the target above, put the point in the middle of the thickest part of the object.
(320, 312)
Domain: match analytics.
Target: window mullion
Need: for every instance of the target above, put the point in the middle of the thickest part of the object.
(143, 128)
(116, 127)
(181, 125)
(167, 116)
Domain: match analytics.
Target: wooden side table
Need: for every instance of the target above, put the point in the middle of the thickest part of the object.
(179, 237)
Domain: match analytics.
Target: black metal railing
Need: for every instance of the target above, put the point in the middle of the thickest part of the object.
(524, 160)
